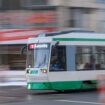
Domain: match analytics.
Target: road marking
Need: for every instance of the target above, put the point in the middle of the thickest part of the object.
(81, 102)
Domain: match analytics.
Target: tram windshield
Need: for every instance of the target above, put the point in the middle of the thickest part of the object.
(38, 55)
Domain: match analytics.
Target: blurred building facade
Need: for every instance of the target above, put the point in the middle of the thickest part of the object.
(19, 14)
(45, 14)
(89, 14)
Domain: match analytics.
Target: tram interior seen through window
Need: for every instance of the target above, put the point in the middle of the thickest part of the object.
(90, 57)
(58, 58)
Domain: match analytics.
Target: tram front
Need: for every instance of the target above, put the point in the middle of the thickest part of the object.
(37, 66)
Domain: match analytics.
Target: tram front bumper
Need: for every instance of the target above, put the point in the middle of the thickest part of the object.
(39, 86)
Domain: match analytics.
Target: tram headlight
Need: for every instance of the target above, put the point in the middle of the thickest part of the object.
(29, 86)
(44, 70)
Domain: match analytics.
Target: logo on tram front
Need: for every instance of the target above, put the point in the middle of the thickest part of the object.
(34, 72)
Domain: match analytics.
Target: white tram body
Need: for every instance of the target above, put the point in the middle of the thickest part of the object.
(65, 61)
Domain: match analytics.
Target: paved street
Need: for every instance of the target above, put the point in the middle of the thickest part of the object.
(18, 95)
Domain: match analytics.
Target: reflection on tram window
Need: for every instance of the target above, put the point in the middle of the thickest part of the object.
(38, 55)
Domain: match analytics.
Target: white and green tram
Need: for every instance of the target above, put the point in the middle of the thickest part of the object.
(65, 61)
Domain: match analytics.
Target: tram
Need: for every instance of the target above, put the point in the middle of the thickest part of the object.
(65, 60)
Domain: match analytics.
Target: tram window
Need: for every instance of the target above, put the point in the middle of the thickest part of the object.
(90, 58)
(84, 58)
(100, 57)
(58, 58)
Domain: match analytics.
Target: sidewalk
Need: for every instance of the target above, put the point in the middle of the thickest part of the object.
(13, 83)
(13, 78)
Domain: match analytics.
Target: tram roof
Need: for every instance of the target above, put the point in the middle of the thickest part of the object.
(66, 31)
(81, 35)
(73, 36)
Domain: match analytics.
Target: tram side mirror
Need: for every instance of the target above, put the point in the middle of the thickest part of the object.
(23, 50)
(56, 44)
(54, 48)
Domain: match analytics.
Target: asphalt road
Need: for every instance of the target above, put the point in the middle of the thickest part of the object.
(18, 95)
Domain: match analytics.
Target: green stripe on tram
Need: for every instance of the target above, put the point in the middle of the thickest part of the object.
(78, 39)
(63, 85)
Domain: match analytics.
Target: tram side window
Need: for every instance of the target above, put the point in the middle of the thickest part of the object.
(90, 57)
(100, 57)
(84, 58)
(58, 58)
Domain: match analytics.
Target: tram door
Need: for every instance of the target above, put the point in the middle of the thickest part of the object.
(57, 66)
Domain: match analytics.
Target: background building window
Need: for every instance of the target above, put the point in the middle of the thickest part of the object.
(79, 17)
(30, 3)
(10, 4)
(100, 1)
